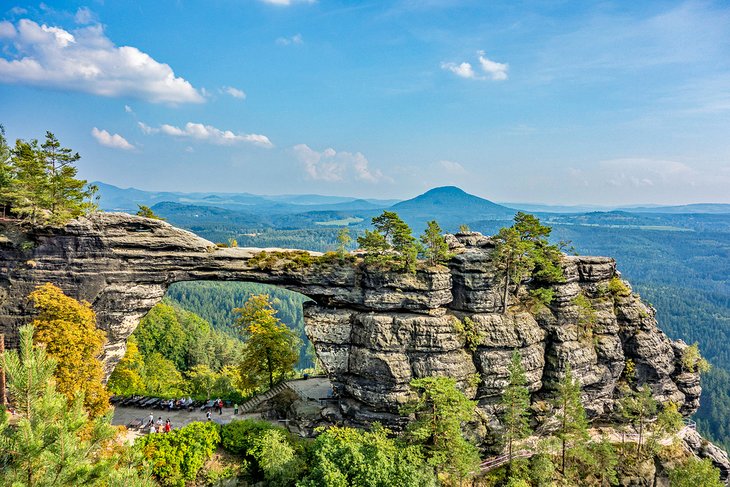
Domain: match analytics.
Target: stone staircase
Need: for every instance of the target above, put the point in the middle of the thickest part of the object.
(259, 399)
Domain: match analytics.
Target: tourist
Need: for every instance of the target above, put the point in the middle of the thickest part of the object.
(153, 429)
(220, 406)
(150, 420)
(159, 424)
(207, 415)
(235, 409)
(168, 426)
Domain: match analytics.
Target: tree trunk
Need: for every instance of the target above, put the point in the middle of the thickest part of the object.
(269, 366)
(506, 291)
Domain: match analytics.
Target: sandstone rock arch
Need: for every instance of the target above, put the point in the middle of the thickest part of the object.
(373, 331)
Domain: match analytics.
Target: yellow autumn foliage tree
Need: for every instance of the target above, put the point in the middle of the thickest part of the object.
(68, 330)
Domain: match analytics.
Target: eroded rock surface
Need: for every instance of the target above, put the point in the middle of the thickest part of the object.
(373, 331)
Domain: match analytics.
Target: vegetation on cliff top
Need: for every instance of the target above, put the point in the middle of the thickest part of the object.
(38, 182)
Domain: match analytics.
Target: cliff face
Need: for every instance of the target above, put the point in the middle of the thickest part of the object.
(374, 331)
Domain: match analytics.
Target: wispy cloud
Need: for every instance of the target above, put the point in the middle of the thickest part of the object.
(207, 133)
(115, 141)
(88, 61)
(84, 16)
(234, 92)
(489, 69)
(296, 39)
(332, 166)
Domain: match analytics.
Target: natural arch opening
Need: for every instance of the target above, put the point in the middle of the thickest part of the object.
(188, 345)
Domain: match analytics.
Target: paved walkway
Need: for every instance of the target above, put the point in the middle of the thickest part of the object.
(125, 416)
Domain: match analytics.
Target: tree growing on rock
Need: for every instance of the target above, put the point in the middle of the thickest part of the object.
(434, 244)
(39, 182)
(391, 242)
(68, 330)
(522, 251)
(147, 212)
(271, 349)
(515, 406)
(440, 411)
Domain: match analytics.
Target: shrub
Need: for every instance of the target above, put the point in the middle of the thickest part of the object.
(240, 436)
(617, 287)
(469, 332)
(176, 457)
(692, 360)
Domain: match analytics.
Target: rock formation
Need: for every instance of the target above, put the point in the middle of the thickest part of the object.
(373, 330)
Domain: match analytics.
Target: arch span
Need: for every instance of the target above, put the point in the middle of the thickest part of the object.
(372, 330)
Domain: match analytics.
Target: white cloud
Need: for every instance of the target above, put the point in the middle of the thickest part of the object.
(494, 70)
(450, 167)
(7, 30)
(286, 3)
(463, 70)
(491, 69)
(207, 133)
(86, 60)
(128, 109)
(18, 11)
(106, 139)
(84, 16)
(234, 92)
(332, 166)
(286, 41)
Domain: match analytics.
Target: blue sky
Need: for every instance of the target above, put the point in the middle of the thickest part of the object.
(542, 101)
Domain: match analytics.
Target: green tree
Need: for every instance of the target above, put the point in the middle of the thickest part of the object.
(343, 241)
(694, 473)
(68, 329)
(390, 234)
(128, 376)
(515, 405)
(52, 441)
(7, 176)
(571, 415)
(586, 316)
(29, 194)
(201, 380)
(523, 251)
(345, 457)
(276, 458)
(161, 377)
(440, 411)
(271, 349)
(638, 406)
(434, 244)
(67, 194)
(692, 360)
(147, 212)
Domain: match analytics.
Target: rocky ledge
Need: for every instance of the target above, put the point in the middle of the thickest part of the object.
(373, 330)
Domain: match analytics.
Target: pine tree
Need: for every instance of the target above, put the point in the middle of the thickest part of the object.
(147, 212)
(523, 251)
(6, 174)
(434, 243)
(271, 349)
(515, 405)
(52, 441)
(573, 424)
(68, 330)
(29, 193)
(343, 240)
(638, 407)
(440, 411)
(66, 193)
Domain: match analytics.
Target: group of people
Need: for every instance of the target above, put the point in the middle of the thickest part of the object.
(158, 426)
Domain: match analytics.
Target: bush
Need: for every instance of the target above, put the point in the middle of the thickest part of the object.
(240, 436)
(617, 287)
(176, 457)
